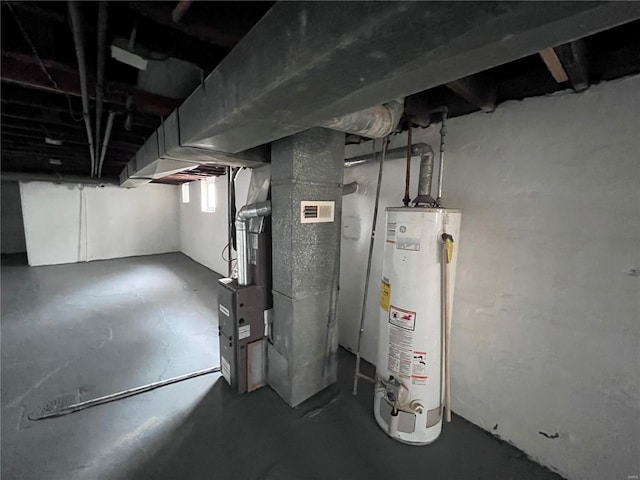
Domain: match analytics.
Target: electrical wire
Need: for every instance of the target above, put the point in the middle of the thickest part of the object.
(40, 62)
(226, 259)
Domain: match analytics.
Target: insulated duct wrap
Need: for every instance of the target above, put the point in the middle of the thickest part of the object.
(374, 122)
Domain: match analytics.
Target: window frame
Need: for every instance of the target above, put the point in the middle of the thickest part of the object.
(208, 192)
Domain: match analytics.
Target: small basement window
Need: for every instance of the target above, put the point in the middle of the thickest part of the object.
(185, 193)
(208, 194)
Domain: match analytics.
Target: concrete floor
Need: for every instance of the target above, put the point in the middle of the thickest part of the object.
(86, 330)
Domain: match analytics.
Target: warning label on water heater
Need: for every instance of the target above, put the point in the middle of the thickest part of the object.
(419, 368)
(402, 318)
(391, 232)
(402, 324)
(400, 351)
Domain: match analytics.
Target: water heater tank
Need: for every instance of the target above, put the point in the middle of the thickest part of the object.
(417, 270)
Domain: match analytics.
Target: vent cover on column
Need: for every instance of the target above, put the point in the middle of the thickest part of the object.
(316, 211)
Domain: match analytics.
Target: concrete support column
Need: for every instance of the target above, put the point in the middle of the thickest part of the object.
(306, 264)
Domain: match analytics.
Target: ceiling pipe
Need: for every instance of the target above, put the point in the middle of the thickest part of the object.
(393, 154)
(105, 143)
(76, 27)
(103, 14)
(374, 122)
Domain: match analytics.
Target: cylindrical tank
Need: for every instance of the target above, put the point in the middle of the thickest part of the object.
(409, 381)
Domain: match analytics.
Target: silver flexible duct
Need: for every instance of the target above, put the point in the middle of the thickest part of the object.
(426, 174)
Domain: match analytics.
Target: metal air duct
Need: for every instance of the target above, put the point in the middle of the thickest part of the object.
(262, 209)
(426, 174)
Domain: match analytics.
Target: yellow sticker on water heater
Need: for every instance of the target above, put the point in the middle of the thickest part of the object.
(385, 294)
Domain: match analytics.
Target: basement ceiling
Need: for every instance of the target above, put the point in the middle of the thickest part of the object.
(182, 42)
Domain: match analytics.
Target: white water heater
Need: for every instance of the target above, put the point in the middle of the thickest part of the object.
(416, 296)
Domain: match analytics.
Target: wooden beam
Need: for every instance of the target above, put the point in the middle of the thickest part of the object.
(573, 58)
(477, 91)
(554, 65)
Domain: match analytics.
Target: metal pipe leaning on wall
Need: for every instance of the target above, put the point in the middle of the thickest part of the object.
(247, 212)
(374, 122)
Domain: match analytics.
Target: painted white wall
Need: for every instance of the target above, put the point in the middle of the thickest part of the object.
(75, 223)
(11, 229)
(203, 235)
(546, 321)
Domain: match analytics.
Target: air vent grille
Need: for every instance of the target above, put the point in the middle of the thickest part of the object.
(317, 211)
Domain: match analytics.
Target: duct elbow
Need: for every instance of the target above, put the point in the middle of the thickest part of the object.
(246, 213)
(262, 209)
